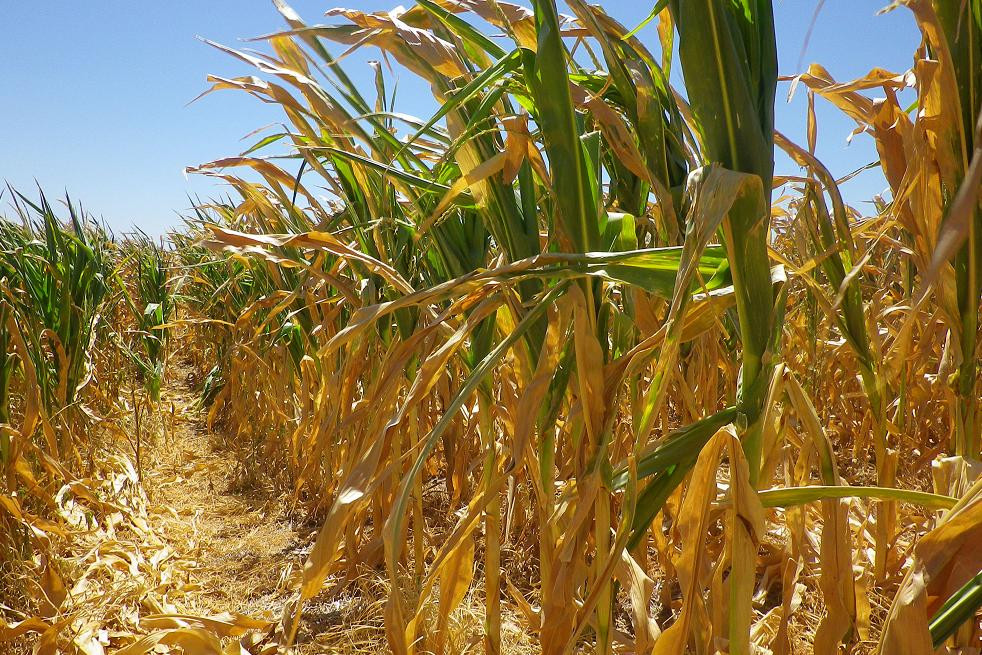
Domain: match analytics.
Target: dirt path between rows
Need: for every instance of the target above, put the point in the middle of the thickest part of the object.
(239, 546)
(236, 550)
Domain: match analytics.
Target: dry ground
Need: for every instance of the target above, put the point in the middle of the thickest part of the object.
(242, 550)
(241, 547)
(214, 546)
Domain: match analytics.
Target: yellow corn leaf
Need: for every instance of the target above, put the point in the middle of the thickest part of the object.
(193, 641)
(639, 588)
(589, 369)
(944, 560)
(836, 579)
(694, 564)
(568, 571)
(455, 578)
(472, 177)
(225, 624)
(54, 590)
(746, 528)
(317, 240)
(10, 631)
(790, 601)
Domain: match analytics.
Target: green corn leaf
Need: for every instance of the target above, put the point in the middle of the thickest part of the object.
(958, 610)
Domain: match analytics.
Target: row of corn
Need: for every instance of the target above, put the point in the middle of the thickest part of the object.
(72, 348)
(575, 316)
(570, 348)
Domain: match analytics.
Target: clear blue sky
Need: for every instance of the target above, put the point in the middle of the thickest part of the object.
(95, 93)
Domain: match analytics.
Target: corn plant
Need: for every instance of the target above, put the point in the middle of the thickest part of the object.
(53, 300)
(6, 372)
(951, 42)
(61, 281)
(152, 305)
(518, 293)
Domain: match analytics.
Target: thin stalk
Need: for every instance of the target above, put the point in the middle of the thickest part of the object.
(492, 537)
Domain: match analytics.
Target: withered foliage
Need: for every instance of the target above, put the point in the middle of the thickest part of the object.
(570, 351)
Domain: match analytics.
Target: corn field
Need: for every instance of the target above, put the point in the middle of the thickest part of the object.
(567, 366)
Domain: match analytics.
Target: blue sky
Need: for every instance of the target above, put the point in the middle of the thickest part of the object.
(96, 93)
